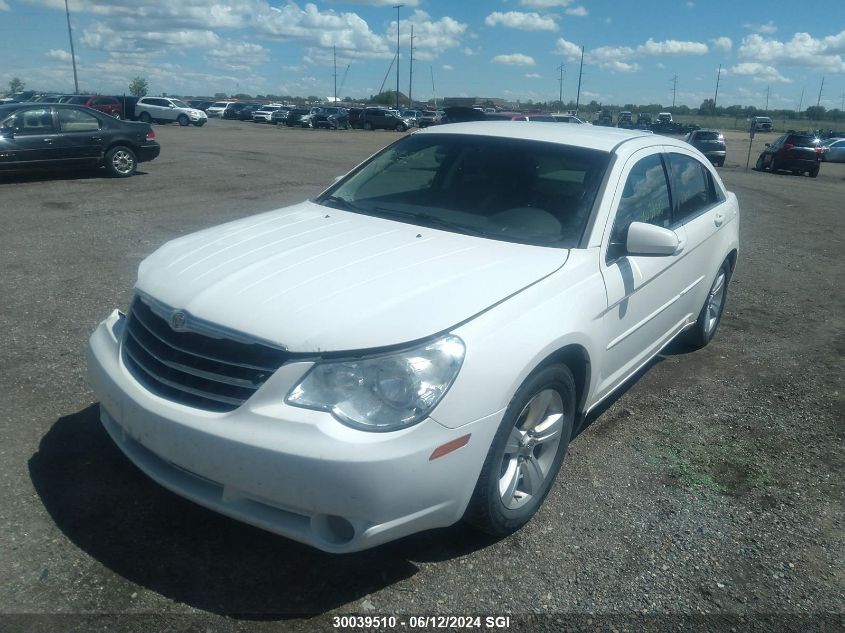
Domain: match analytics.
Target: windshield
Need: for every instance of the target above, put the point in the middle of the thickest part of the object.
(78, 100)
(500, 188)
(179, 104)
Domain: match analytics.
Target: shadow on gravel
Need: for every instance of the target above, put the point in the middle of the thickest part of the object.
(158, 540)
(58, 174)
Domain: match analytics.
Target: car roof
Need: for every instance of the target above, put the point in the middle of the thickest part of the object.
(603, 139)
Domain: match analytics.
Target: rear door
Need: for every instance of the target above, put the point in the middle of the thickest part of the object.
(80, 135)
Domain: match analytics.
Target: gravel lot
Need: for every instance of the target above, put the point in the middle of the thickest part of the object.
(713, 485)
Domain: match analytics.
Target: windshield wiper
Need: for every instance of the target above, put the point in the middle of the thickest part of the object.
(424, 219)
(336, 202)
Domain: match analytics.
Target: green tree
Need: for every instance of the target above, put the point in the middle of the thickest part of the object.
(707, 107)
(219, 95)
(814, 113)
(138, 87)
(16, 85)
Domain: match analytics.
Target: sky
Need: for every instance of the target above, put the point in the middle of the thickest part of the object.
(635, 52)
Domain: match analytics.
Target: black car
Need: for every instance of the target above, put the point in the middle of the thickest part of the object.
(245, 113)
(793, 152)
(50, 135)
(380, 119)
(234, 110)
(200, 104)
(331, 117)
(711, 143)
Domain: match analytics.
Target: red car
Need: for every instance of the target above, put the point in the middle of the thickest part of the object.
(106, 105)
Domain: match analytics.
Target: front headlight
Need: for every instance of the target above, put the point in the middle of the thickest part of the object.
(386, 392)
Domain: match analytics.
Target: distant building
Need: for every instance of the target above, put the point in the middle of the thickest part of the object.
(471, 102)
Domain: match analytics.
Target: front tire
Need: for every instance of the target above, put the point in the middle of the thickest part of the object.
(526, 453)
(368, 126)
(183, 120)
(401, 127)
(760, 166)
(711, 313)
(121, 162)
(814, 172)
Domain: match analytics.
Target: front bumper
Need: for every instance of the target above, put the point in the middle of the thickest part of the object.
(295, 472)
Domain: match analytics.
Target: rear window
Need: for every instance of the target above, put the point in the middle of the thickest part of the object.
(78, 100)
(802, 141)
(707, 136)
(220, 104)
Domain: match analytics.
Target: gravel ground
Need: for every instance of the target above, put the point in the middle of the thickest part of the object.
(711, 488)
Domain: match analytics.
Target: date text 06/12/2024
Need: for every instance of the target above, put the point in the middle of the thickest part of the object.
(421, 622)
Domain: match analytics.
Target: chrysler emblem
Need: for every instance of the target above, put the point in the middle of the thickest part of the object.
(178, 320)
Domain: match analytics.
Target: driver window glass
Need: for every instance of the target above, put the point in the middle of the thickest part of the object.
(77, 121)
(30, 122)
(645, 198)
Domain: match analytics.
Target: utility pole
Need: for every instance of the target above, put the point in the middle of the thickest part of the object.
(562, 70)
(580, 73)
(801, 101)
(819, 100)
(334, 58)
(397, 7)
(767, 98)
(433, 91)
(411, 79)
(72, 53)
(674, 90)
(716, 96)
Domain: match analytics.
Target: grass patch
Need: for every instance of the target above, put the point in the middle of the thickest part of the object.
(723, 468)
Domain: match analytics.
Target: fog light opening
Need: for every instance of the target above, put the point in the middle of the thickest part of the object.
(332, 528)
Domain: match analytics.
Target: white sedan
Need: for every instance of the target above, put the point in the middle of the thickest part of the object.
(419, 343)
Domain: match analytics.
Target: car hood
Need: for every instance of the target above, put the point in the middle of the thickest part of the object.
(315, 279)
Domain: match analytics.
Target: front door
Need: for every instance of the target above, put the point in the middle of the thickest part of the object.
(29, 138)
(643, 292)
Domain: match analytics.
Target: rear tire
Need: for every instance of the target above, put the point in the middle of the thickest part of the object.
(368, 126)
(711, 313)
(526, 453)
(121, 162)
(145, 117)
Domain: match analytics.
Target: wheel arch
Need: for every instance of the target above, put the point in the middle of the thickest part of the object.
(577, 359)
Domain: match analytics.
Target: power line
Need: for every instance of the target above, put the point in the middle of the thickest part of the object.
(580, 73)
(411, 78)
(562, 69)
(674, 89)
(716, 96)
(819, 100)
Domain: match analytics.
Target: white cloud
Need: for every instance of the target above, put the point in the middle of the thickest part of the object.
(578, 11)
(238, 55)
(469, 52)
(768, 27)
(447, 67)
(58, 54)
(569, 49)
(544, 4)
(533, 76)
(514, 59)
(431, 37)
(759, 72)
(722, 44)
(522, 21)
(802, 50)
(378, 3)
(4, 6)
(672, 47)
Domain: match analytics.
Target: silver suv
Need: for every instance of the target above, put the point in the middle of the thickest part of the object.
(166, 110)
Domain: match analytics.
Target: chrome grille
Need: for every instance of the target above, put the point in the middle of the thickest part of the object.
(194, 369)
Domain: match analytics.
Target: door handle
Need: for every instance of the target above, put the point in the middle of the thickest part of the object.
(49, 141)
(719, 219)
(96, 138)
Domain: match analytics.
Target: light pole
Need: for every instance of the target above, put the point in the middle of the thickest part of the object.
(72, 53)
(397, 7)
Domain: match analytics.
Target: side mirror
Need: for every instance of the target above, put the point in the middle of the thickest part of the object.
(648, 239)
(766, 144)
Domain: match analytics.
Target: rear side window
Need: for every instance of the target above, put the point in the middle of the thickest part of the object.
(645, 198)
(693, 187)
(77, 121)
